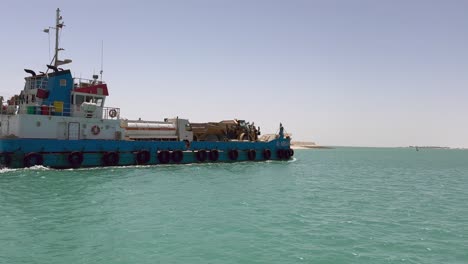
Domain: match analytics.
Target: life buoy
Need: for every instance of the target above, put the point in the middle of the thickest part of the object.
(75, 159)
(267, 154)
(143, 157)
(233, 154)
(32, 159)
(201, 155)
(280, 153)
(177, 156)
(5, 160)
(214, 155)
(112, 113)
(164, 156)
(111, 158)
(95, 130)
(251, 154)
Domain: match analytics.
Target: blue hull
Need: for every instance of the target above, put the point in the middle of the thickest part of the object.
(19, 153)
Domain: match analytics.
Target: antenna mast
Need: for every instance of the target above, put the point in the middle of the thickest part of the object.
(58, 26)
(102, 59)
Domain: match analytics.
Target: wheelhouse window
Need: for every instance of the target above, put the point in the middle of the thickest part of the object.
(99, 101)
(79, 99)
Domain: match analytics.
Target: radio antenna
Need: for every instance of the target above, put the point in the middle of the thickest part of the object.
(102, 59)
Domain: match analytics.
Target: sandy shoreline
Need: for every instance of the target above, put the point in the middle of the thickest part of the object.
(306, 145)
(309, 147)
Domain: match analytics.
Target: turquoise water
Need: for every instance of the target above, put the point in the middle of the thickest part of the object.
(345, 205)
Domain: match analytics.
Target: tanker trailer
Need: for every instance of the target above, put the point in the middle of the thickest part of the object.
(171, 129)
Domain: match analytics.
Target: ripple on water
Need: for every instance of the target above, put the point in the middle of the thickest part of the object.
(346, 205)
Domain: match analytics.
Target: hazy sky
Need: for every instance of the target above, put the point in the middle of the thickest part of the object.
(349, 72)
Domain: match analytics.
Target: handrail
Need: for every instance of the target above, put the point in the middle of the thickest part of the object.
(82, 82)
(112, 113)
(108, 113)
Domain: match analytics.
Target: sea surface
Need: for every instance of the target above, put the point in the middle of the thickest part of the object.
(344, 205)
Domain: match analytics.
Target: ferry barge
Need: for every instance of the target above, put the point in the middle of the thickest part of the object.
(59, 121)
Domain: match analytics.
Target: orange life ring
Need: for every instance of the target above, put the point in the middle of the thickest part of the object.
(95, 130)
(112, 113)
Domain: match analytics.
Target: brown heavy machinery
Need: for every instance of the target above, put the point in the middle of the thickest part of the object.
(225, 130)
